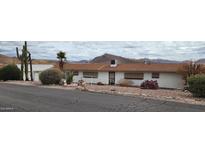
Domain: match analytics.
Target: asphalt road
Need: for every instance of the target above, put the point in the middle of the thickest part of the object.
(28, 98)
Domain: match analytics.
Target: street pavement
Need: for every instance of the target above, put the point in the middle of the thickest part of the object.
(17, 98)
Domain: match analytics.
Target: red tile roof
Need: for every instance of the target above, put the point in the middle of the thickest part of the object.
(124, 67)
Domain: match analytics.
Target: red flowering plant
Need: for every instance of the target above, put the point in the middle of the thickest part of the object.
(149, 84)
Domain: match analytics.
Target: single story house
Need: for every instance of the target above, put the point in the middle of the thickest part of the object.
(166, 74)
(36, 69)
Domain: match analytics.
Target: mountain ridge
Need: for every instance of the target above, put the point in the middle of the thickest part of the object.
(105, 58)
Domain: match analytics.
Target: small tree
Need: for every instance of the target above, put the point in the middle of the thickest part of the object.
(191, 68)
(10, 72)
(62, 58)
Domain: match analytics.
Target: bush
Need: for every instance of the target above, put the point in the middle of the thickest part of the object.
(124, 82)
(69, 78)
(100, 83)
(51, 76)
(10, 72)
(196, 85)
(149, 84)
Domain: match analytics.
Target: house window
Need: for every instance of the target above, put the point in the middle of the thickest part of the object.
(90, 74)
(75, 73)
(138, 76)
(155, 75)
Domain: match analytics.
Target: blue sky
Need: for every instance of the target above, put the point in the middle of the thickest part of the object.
(80, 50)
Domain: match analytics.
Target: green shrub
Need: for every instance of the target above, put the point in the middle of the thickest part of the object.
(51, 76)
(10, 72)
(197, 85)
(69, 78)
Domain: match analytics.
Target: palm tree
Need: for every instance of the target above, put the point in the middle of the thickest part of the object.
(62, 58)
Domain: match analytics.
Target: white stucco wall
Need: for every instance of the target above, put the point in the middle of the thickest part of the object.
(165, 80)
(171, 80)
(37, 69)
(102, 77)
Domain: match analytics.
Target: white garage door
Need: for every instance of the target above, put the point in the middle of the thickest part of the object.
(36, 76)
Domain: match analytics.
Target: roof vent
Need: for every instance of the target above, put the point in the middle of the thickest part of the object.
(113, 63)
(146, 61)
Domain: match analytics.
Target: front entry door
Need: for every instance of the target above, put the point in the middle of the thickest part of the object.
(111, 78)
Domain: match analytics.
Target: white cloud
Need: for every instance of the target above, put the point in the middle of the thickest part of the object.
(88, 50)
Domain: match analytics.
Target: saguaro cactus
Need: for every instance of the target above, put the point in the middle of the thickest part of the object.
(31, 69)
(25, 58)
(21, 59)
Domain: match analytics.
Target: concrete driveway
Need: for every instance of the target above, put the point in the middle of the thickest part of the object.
(30, 98)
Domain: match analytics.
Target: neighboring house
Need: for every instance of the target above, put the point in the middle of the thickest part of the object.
(166, 74)
(37, 69)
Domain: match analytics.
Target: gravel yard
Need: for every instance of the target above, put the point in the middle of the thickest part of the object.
(161, 94)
